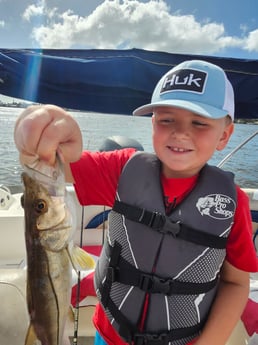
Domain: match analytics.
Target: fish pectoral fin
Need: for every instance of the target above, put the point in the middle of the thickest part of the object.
(31, 337)
(81, 260)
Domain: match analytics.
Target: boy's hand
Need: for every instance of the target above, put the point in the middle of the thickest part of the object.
(42, 131)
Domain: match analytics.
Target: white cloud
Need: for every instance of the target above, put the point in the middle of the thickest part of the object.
(34, 10)
(131, 23)
(252, 41)
(39, 10)
(2, 23)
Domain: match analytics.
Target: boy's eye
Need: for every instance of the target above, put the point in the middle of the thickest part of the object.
(165, 121)
(199, 123)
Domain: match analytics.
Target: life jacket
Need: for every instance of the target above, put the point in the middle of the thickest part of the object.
(172, 261)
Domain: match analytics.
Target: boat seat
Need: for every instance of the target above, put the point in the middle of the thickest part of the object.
(239, 335)
(14, 319)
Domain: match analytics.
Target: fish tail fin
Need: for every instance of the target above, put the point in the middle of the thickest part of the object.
(30, 336)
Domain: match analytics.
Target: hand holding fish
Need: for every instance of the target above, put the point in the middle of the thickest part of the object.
(43, 131)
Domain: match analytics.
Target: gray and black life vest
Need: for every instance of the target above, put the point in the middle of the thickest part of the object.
(158, 271)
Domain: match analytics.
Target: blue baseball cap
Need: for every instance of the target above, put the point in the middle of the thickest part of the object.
(195, 85)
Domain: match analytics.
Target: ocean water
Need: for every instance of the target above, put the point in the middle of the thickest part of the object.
(97, 127)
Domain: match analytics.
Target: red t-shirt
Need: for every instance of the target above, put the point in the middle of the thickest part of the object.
(96, 178)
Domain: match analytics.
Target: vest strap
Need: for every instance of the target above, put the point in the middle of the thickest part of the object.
(166, 338)
(127, 274)
(122, 271)
(130, 334)
(110, 278)
(163, 224)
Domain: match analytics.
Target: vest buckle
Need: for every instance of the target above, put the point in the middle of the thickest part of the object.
(150, 339)
(163, 224)
(157, 220)
(171, 228)
(154, 284)
(112, 274)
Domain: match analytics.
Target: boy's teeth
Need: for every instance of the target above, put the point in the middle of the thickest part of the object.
(178, 149)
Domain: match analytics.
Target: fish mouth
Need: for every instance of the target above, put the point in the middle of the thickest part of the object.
(42, 172)
(52, 178)
(41, 168)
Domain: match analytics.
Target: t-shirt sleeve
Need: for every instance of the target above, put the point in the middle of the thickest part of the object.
(96, 175)
(240, 248)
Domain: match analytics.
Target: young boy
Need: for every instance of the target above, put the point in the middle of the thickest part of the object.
(174, 268)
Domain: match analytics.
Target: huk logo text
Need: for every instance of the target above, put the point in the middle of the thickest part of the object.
(185, 80)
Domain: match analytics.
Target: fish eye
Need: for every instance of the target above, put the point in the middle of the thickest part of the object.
(40, 206)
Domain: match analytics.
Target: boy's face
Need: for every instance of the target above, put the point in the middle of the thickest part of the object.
(185, 141)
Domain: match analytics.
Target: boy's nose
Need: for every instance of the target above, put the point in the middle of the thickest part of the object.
(180, 129)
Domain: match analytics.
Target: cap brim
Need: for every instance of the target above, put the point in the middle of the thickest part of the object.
(196, 107)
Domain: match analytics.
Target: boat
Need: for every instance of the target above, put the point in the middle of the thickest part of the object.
(111, 82)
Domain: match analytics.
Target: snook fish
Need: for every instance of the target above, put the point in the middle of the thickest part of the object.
(50, 254)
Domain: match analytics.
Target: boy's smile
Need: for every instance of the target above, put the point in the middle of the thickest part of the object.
(185, 141)
(178, 149)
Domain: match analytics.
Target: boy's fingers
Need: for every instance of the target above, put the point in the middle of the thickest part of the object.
(40, 131)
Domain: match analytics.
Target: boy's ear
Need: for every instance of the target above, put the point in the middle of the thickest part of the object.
(229, 129)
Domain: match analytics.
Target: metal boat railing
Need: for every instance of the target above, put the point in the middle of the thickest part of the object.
(227, 157)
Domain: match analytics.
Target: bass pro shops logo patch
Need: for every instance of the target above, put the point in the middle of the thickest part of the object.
(185, 80)
(216, 206)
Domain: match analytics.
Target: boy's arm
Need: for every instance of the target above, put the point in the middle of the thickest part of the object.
(228, 306)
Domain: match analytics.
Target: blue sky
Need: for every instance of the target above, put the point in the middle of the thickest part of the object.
(220, 28)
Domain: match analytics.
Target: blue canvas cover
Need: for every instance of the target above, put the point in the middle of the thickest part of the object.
(109, 81)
